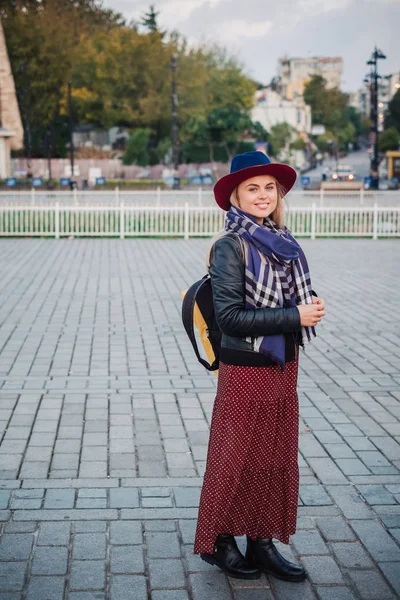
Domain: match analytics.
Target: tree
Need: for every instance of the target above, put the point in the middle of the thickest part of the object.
(281, 135)
(389, 140)
(328, 106)
(136, 152)
(149, 19)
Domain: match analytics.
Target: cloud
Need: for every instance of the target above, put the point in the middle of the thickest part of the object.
(321, 6)
(173, 12)
(232, 31)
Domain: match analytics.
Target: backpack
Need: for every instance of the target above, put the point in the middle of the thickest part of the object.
(198, 309)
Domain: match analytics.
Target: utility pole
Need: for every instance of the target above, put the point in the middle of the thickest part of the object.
(71, 130)
(174, 102)
(48, 148)
(374, 134)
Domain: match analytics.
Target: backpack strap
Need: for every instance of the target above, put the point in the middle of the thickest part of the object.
(187, 317)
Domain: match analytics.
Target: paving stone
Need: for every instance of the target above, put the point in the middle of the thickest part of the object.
(371, 585)
(46, 588)
(376, 494)
(210, 584)
(12, 575)
(253, 594)
(125, 533)
(90, 527)
(127, 587)
(59, 498)
(89, 546)
(335, 529)
(15, 546)
(377, 541)
(86, 596)
(50, 561)
(351, 555)
(314, 495)
(160, 525)
(322, 569)
(285, 590)
(87, 575)
(169, 595)
(187, 496)
(54, 534)
(162, 545)
(124, 498)
(349, 502)
(4, 498)
(309, 542)
(166, 573)
(391, 571)
(335, 593)
(127, 559)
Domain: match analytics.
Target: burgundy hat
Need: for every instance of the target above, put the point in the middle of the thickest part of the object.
(251, 164)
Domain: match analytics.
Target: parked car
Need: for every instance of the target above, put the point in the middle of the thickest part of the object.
(343, 173)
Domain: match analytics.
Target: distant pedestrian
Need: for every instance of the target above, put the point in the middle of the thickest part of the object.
(265, 309)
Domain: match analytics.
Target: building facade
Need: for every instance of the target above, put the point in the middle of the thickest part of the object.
(294, 73)
(270, 109)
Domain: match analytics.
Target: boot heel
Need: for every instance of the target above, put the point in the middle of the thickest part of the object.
(208, 558)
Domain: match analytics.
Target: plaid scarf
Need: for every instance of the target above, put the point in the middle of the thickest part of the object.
(276, 275)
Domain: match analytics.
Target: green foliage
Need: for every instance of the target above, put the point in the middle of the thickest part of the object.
(281, 136)
(298, 144)
(137, 146)
(149, 20)
(330, 108)
(389, 140)
(120, 77)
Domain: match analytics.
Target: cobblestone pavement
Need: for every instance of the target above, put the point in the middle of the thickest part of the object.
(104, 417)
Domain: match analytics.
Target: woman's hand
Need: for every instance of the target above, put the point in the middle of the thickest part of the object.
(311, 314)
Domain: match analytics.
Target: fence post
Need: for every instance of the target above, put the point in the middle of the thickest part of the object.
(200, 197)
(321, 197)
(33, 196)
(158, 195)
(117, 196)
(313, 219)
(361, 195)
(122, 220)
(375, 225)
(75, 192)
(186, 233)
(57, 220)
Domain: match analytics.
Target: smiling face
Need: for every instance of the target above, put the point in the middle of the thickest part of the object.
(258, 196)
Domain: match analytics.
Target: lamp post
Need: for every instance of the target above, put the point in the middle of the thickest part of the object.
(373, 79)
(71, 131)
(174, 102)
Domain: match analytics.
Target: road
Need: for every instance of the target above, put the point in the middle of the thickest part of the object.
(358, 161)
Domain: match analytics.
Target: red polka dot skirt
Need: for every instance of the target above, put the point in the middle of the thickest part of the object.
(251, 482)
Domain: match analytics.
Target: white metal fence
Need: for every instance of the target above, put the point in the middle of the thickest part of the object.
(186, 221)
(170, 198)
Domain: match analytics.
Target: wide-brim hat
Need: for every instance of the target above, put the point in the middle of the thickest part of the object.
(247, 165)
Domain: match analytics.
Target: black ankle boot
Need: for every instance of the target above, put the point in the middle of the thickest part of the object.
(230, 560)
(263, 554)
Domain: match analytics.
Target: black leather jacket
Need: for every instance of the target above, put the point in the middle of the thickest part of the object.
(227, 272)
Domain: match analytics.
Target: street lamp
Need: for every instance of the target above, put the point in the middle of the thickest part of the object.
(174, 102)
(373, 78)
(71, 132)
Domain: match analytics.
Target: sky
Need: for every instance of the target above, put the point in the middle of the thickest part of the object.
(258, 32)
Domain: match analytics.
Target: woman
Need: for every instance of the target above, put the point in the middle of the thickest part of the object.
(265, 308)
